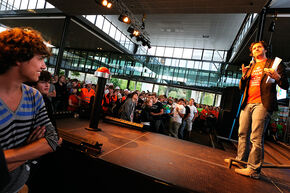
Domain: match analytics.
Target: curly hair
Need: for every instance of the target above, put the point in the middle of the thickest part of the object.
(252, 44)
(20, 45)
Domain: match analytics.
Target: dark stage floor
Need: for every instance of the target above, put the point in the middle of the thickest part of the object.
(155, 162)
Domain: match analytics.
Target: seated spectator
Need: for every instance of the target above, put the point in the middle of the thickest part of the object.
(74, 101)
(127, 109)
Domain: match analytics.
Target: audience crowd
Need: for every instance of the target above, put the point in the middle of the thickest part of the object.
(161, 114)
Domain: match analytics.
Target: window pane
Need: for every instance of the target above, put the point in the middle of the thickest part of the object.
(167, 62)
(197, 54)
(190, 64)
(197, 64)
(91, 18)
(40, 4)
(177, 52)
(100, 21)
(218, 55)
(187, 53)
(168, 52)
(123, 39)
(206, 66)
(118, 35)
(160, 51)
(182, 63)
(112, 31)
(24, 4)
(106, 26)
(175, 62)
(152, 50)
(207, 55)
(49, 6)
(32, 4)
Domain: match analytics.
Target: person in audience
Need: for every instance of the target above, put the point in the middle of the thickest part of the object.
(176, 120)
(157, 112)
(74, 101)
(190, 119)
(43, 85)
(51, 94)
(61, 94)
(107, 101)
(146, 118)
(26, 130)
(184, 120)
(87, 93)
(127, 109)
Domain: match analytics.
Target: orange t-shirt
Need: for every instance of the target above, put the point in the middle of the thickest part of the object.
(74, 101)
(254, 92)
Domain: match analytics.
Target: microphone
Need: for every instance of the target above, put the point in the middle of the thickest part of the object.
(246, 69)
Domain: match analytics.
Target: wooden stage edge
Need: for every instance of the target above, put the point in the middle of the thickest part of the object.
(180, 163)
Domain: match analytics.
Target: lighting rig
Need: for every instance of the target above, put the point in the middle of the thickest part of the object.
(136, 28)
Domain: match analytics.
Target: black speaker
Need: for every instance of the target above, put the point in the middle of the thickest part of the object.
(230, 99)
(229, 106)
(224, 124)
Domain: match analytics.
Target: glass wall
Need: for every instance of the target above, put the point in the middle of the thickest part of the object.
(6, 5)
(158, 70)
(112, 30)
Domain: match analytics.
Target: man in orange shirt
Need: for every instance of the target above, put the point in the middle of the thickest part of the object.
(258, 103)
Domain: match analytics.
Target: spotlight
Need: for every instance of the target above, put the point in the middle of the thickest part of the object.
(133, 32)
(124, 18)
(136, 33)
(105, 3)
(130, 29)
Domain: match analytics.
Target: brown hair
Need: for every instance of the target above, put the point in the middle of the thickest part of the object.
(20, 45)
(252, 44)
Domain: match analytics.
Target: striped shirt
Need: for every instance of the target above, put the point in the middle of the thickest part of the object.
(15, 127)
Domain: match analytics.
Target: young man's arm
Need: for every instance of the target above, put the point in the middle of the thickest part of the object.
(18, 156)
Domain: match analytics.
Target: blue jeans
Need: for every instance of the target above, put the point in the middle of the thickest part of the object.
(253, 121)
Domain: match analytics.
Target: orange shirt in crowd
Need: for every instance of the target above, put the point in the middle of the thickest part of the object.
(74, 100)
(203, 114)
(86, 94)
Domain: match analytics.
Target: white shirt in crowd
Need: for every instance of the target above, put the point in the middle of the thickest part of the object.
(193, 111)
(176, 117)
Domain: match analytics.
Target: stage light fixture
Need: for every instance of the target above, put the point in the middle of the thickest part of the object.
(136, 33)
(124, 18)
(105, 3)
(130, 29)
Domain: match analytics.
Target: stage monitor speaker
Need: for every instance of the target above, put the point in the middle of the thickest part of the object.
(224, 124)
(229, 106)
(230, 99)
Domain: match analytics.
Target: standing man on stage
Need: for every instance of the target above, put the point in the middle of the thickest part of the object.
(26, 132)
(258, 103)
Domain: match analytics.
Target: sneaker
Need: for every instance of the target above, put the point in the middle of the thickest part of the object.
(248, 172)
(234, 163)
